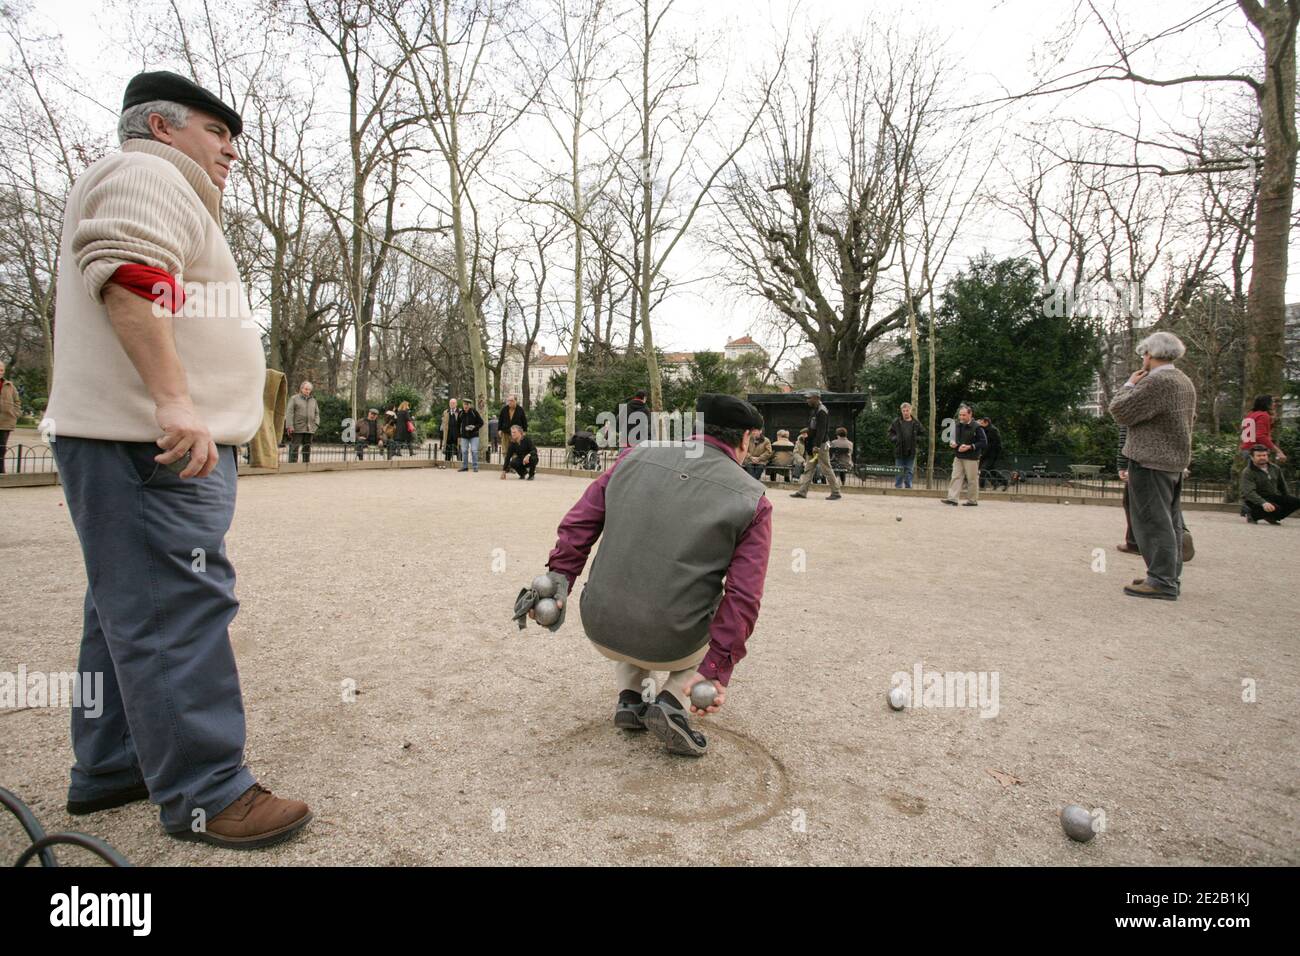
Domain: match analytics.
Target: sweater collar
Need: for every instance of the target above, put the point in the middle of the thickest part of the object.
(202, 184)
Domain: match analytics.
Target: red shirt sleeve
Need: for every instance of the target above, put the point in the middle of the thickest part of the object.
(742, 595)
(148, 282)
(581, 527)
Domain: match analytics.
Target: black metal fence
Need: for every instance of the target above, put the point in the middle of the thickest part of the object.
(33, 459)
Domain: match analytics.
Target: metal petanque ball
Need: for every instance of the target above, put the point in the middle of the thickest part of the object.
(547, 612)
(544, 586)
(704, 694)
(1077, 823)
(898, 517)
(897, 698)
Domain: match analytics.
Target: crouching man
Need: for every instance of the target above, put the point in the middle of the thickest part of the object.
(684, 538)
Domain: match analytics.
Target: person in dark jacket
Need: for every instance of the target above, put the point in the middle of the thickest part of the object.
(369, 432)
(470, 423)
(403, 432)
(511, 414)
(989, 463)
(905, 433)
(1264, 491)
(638, 420)
(451, 431)
(818, 444)
(523, 454)
(968, 443)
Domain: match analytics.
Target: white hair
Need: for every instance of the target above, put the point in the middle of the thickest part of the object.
(1162, 346)
(134, 121)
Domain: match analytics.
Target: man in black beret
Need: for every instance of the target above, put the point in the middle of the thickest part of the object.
(684, 536)
(161, 379)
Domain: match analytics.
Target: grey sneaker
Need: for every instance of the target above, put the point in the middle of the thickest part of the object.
(629, 712)
(666, 719)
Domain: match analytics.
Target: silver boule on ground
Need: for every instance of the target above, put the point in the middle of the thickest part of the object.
(1077, 823)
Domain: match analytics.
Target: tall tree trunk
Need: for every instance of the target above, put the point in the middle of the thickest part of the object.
(647, 196)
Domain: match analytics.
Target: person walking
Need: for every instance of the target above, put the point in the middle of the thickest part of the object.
(905, 433)
(148, 411)
(968, 443)
(1158, 404)
(818, 447)
(403, 431)
(989, 461)
(1264, 490)
(679, 596)
(470, 423)
(301, 419)
(10, 410)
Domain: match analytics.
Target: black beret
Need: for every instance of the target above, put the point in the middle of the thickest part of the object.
(726, 411)
(165, 85)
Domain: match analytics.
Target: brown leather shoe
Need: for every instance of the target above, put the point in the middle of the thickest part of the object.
(1145, 590)
(257, 819)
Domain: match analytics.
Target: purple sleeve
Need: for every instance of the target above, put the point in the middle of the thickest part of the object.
(743, 592)
(580, 528)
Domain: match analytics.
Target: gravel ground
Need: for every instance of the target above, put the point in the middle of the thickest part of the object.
(471, 742)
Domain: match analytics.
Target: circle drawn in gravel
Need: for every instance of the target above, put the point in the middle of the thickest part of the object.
(737, 784)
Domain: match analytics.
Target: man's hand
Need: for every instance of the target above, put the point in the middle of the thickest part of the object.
(184, 431)
(288, 430)
(1269, 506)
(1137, 376)
(718, 701)
(963, 447)
(503, 476)
(1123, 474)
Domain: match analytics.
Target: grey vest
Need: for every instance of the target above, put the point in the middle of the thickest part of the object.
(671, 527)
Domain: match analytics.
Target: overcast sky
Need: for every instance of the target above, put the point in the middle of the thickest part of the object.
(995, 43)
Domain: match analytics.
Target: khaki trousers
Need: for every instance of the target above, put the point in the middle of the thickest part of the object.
(824, 466)
(632, 673)
(965, 471)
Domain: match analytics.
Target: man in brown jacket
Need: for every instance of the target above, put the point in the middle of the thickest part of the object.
(10, 409)
(1158, 404)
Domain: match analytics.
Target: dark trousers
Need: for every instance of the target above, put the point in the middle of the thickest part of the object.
(361, 447)
(396, 445)
(300, 440)
(1155, 509)
(4, 444)
(451, 450)
(519, 468)
(157, 612)
(989, 477)
(1130, 542)
(1284, 506)
(755, 470)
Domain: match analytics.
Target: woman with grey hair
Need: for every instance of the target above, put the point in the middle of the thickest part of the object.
(1158, 404)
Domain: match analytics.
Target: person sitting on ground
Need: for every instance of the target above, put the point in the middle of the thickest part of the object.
(782, 460)
(1264, 491)
(760, 452)
(841, 453)
(523, 454)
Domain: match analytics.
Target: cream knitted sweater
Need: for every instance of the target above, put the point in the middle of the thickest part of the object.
(151, 204)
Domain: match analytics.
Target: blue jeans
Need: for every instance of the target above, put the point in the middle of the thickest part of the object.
(904, 478)
(160, 600)
(469, 453)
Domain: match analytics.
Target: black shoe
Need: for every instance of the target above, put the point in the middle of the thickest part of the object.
(530, 477)
(797, 494)
(118, 798)
(948, 501)
(969, 504)
(667, 720)
(835, 497)
(629, 712)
